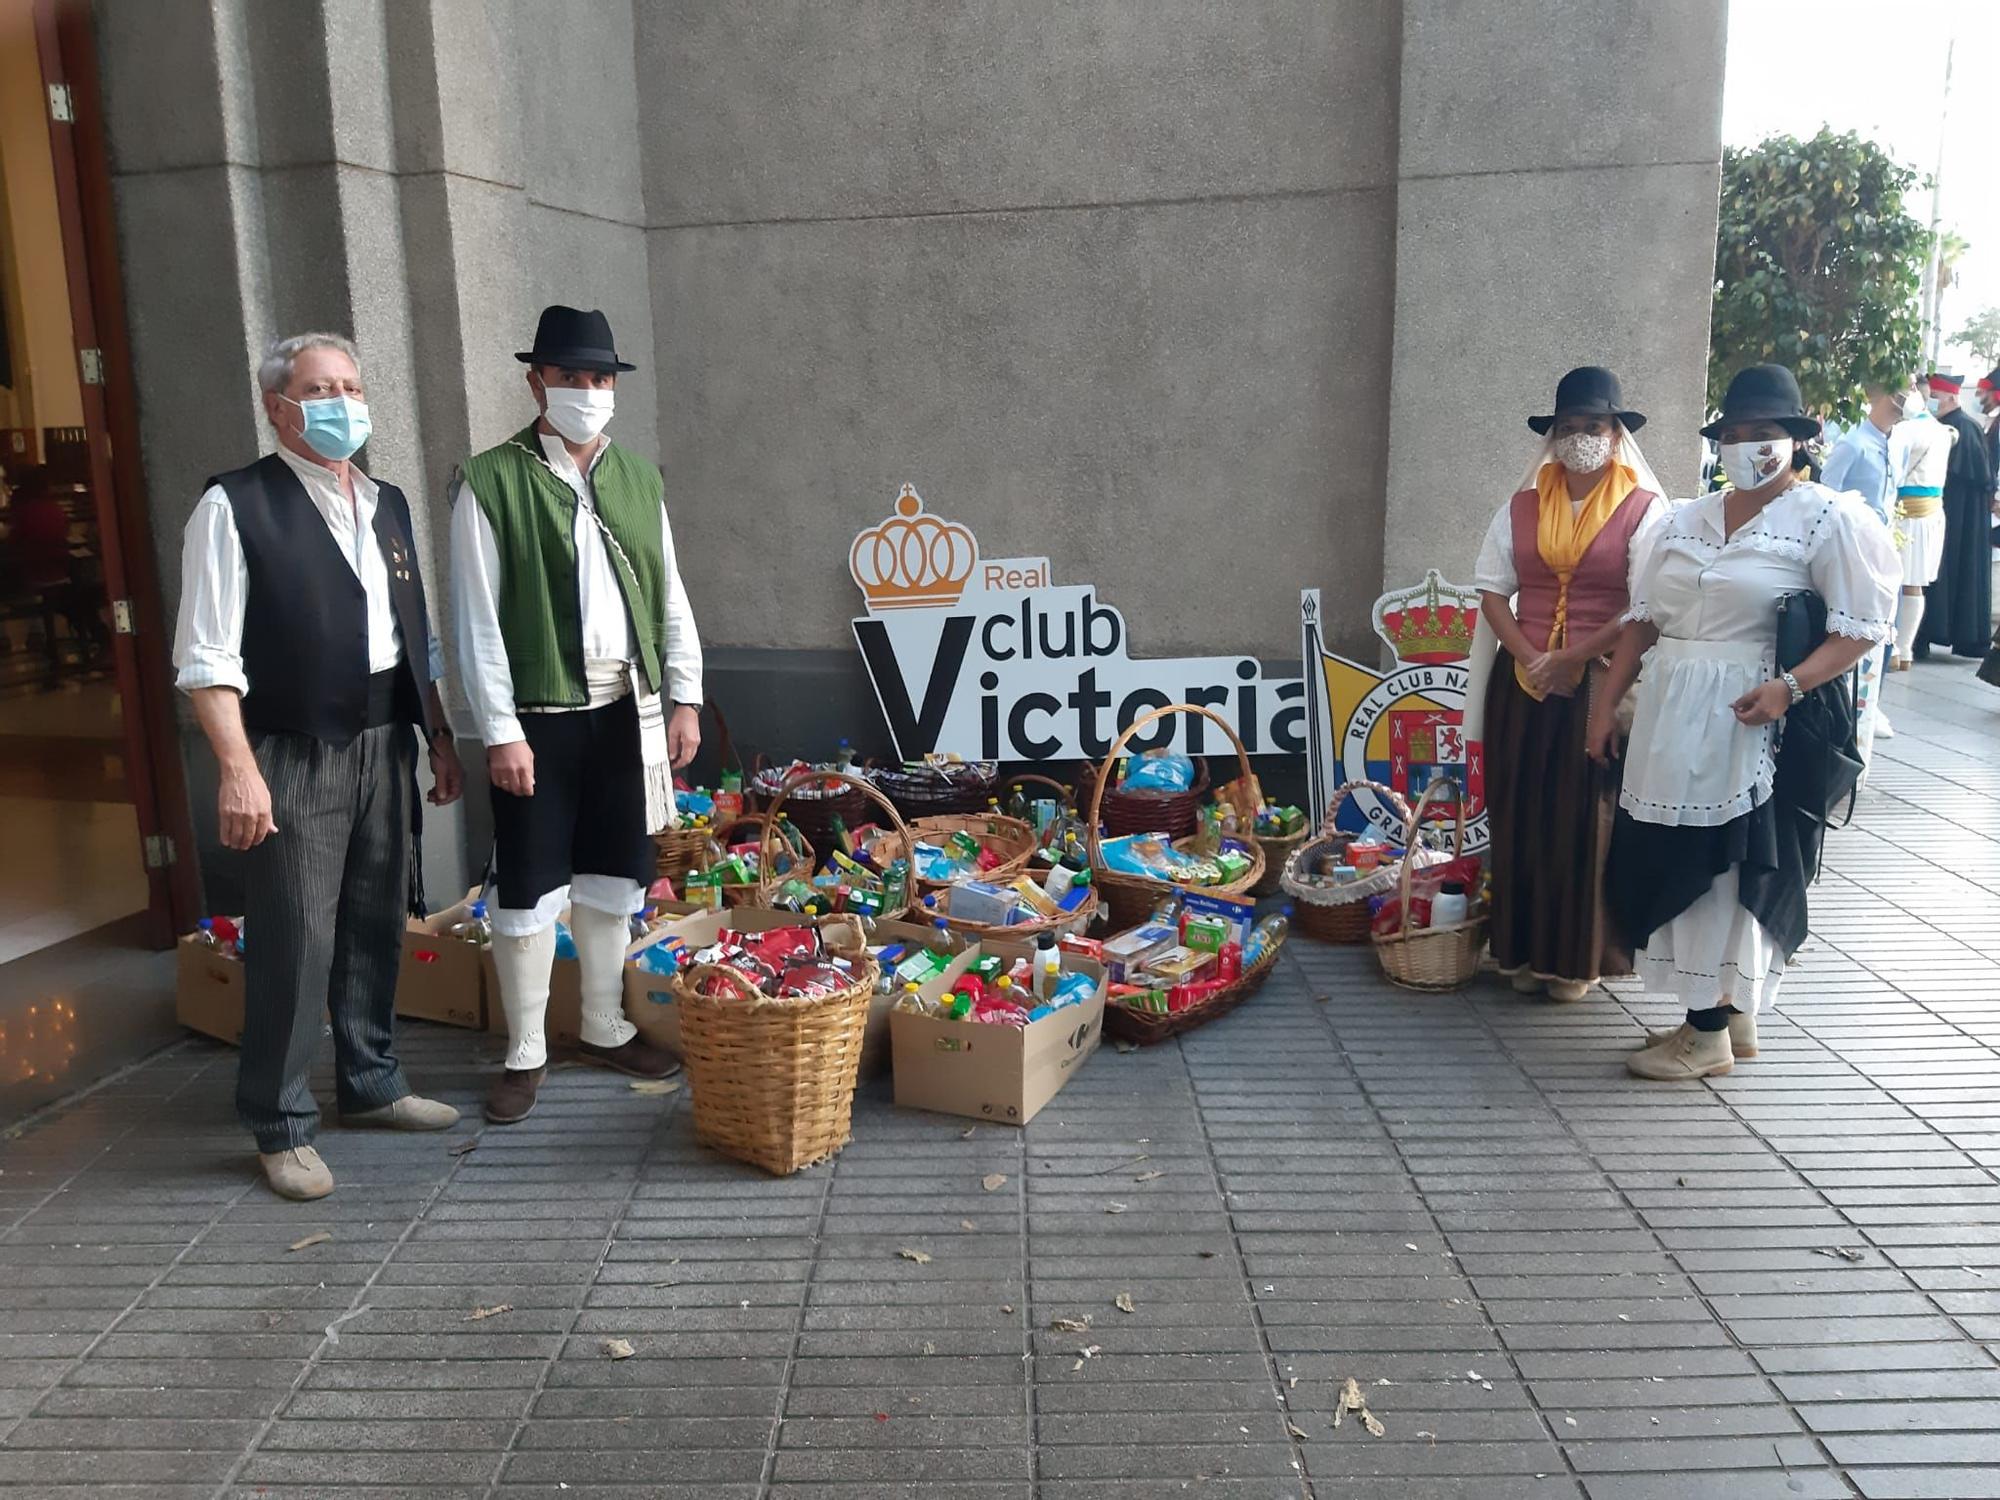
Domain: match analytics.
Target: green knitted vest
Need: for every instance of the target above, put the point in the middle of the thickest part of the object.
(533, 515)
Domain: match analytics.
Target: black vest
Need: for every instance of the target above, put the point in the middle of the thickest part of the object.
(305, 624)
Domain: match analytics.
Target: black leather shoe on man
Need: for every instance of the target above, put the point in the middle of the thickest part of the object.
(513, 1097)
(636, 1057)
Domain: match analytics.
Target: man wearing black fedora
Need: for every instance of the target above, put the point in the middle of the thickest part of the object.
(583, 669)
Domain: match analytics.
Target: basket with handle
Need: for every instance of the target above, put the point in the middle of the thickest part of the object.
(1064, 924)
(683, 848)
(772, 1079)
(1432, 959)
(1144, 1027)
(1010, 840)
(1145, 809)
(1277, 847)
(928, 790)
(1065, 797)
(772, 849)
(1330, 913)
(898, 844)
(816, 798)
(1131, 897)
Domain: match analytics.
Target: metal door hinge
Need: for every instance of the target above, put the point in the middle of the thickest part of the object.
(92, 361)
(62, 109)
(122, 618)
(159, 851)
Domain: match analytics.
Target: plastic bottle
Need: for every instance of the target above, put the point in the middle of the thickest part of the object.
(1270, 932)
(476, 926)
(1448, 907)
(843, 758)
(1048, 966)
(204, 933)
(944, 940)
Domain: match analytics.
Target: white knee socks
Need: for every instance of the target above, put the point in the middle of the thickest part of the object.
(1909, 615)
(601, 939)
(523, 964)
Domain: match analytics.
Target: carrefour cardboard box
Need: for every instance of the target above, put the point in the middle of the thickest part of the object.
(1002, 1073)
(649, 997)
(208, 991)
(442, 977)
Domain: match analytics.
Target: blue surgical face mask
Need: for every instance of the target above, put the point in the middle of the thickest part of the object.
(335, 427)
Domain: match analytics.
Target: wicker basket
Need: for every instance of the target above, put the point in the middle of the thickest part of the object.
(1145, 1027)
(1143, 809)
(892, 845)
(927, 791)
(1435, 960)
(769, 842)
(1131, 897)
(772, 1079)
(682, 849)
(1065, 796)
(1329, 913)
(816, 799)
(1064, 924)
(1011, 840)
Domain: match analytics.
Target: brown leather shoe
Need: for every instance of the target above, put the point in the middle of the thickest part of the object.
(637, 1057)
(513, 1096)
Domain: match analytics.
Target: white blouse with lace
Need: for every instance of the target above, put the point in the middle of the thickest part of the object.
(1714, 600)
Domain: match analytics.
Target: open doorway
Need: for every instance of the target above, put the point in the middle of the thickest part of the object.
(89, 883)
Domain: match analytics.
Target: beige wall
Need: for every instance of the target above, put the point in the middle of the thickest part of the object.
(45, 392)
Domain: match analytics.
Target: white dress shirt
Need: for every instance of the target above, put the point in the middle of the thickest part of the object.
(607, 627)
(215, 580)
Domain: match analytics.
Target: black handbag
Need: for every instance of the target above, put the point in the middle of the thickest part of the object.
(1819, 754)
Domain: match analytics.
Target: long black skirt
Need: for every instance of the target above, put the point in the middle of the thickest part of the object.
(1656, 872)
(1549, 812)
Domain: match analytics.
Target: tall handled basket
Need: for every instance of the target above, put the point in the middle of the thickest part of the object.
(1433, 959)
(900, 843)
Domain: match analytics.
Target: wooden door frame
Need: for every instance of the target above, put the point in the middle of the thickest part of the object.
(66, 42)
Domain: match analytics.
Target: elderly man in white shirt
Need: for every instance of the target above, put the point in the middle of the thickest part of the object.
(304, 641)
(573, 632)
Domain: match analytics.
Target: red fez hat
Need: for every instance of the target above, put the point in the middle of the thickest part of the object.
(1938, 381)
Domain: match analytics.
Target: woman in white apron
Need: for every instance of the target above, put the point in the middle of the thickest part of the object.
(1707, 880)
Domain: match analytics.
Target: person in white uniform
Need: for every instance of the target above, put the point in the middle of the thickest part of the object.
(1707, 875)
(1924, 448)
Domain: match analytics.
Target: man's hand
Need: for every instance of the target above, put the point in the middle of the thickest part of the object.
(511, 768)
(683, 733)
(447, 774)
(243, 806)
(1764, 705)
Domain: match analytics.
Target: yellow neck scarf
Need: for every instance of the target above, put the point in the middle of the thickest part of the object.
(1563, 535)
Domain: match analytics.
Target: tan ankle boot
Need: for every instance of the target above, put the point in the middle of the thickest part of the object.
(1687, 1054)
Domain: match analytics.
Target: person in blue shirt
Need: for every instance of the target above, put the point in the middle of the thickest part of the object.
(1861, 464)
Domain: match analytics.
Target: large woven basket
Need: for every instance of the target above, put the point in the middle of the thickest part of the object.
(1329, 913)
(1065, 797)
(1277, 847)
(1131, 897)
(1144, 809)
(890, 845)
(770, 843)
(772, 1079)
(926, 791)
(1009, 839)
(816, 799)
(1435, 960)
(1144, 1027)
(683, 848)
(1064, 924)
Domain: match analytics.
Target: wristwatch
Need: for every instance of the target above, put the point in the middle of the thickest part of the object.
(1792, 685)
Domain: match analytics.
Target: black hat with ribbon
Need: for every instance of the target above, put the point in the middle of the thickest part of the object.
(1589, 391)
(1765, 393)
(572, 339)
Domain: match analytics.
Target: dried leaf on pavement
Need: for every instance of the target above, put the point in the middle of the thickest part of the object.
(1123, 1302)
(464, 1146)
(1149, 1176)
(1293, 1429)
(1371, 1422)
(618, 1349)
(310, 1240)
(1124, 1046)
(916, 1255)
(655, 1085)
(480, 1314)
(1842, 1252)
(1114, 1208)
(1071, 1325)
(1351, 1398)
(993, 1181)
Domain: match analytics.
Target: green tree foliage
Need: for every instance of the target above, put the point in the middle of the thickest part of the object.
(1981, 334)
(1818, 265)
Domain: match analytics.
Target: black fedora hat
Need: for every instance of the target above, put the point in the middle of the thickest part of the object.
(1765, 393)
(1589, 390)
(574, 340)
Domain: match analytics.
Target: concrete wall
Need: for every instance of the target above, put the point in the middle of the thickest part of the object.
(1206, 302)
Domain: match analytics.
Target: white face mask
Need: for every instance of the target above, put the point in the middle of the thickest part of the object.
(1583, 452)
(579, 415)
(1935, 402)
(1750, 466)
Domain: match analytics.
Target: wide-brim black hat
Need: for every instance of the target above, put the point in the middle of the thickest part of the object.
(574, 340)
(1765, 393)
(1589, 390)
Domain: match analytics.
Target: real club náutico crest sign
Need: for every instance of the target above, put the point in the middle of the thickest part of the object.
(1403, 727)
(990, 659)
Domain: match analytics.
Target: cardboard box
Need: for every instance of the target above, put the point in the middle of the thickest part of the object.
(208, 991)
(1002, 1073)
(442, 978)
(650, 1003)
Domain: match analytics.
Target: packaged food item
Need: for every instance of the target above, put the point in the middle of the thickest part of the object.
(1366, 852)
(1177, 963)
(1237, 913)
(980, 901)
(1128, 952)
(1159, 771)
(1205, 934)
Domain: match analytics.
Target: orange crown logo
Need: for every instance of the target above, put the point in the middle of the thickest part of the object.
(913, 560)
(1429, 624)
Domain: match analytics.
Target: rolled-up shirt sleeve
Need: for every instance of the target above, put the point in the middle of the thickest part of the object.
(215, 588)
(475, 603)
(682, 666)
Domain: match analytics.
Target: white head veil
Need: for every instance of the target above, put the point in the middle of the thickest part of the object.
(1485, 644)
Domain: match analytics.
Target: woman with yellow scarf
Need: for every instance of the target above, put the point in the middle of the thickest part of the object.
(1553, 577)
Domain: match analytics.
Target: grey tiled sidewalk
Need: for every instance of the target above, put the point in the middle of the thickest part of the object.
(1549, 1280)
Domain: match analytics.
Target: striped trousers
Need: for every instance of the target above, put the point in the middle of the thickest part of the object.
(323, 907)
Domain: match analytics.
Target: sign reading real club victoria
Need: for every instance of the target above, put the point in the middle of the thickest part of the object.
(1404, 727)
(990, 659)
